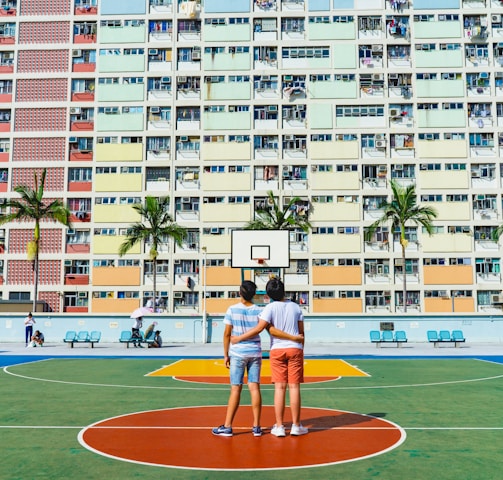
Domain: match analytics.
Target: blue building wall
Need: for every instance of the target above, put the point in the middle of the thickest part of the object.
(226, 6)
(435, 4)
(119, 7)
(320, 329)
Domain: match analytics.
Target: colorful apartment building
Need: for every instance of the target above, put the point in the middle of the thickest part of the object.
(216, 102)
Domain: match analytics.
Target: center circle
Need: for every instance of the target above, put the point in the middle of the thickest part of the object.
(182, 438)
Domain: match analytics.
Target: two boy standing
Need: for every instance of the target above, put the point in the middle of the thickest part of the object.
(242, 352)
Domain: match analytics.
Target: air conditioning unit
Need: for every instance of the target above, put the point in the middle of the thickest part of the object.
(398, 167)
(185, 199)
(394, 112)
(78, 53)
(496, 299)
(265, 78)
(380, 144)
(196, 55)
(496, 18)
(379, 136)
(377, 76)
(155, 110)
(75, 110)
(181, 79)
(165, 79)
(72, 140)
(314, 168)
(177, 294)
(393, 76)
(289, 137)
(153, 51)
(442, 294)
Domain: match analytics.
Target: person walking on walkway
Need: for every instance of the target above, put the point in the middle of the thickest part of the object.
(29, 321)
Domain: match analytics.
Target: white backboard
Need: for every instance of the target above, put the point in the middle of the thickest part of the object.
(260, 248)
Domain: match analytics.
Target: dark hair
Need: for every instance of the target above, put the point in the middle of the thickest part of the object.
(275, 289)
(247, 290)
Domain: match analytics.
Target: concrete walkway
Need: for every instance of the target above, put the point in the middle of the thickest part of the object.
(215, 350)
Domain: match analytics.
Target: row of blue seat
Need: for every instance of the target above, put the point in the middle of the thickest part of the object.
(387, 336)
(83, 336)
(444, 336)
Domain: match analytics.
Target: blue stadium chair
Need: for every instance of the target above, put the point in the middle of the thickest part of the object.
(400, 337)
(458, 337)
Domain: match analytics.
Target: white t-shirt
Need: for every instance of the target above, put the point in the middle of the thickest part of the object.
(284, 316)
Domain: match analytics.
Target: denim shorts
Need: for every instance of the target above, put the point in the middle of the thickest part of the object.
(241, 364)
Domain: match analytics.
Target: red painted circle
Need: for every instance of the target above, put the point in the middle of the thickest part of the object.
(182, 438)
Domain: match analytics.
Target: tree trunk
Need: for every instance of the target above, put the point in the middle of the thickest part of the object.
(35, 280)
(404, 280)
(155, 281)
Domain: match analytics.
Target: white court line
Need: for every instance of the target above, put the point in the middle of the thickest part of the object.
(155, 427)
(263, 387)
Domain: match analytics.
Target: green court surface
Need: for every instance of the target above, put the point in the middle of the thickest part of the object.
(450, 410)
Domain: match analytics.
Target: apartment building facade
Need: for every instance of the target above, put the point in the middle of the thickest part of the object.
(214, 103)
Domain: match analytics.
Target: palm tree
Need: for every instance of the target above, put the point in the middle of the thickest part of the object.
(402, 210)
(31, 207)
(157, 228)
(274, 217)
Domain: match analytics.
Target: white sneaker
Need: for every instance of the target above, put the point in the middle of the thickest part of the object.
(278, 431)
(298, 430)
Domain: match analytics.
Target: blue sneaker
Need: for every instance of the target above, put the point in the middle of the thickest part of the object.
(222, 431)
(257, 431)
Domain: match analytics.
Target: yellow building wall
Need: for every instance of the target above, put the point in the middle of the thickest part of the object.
(327, 212)
(333, 150)
(343, 275)
(109, 244)
(216, 243)
(216, 306)
(226, 151)
(211, 212)
(118, 152)
(444, 180)
(448, 274)
(442, 149)
(114, 305)
(115, 214)
(444, 305)
(447, 243)
(226, 181)
(113, 276)
(114, 182)
(220, 276)
(337, 305)
(334, 180)
(450, 210)
(336, 243)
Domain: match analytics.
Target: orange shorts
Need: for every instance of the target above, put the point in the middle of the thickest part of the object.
(287, 365)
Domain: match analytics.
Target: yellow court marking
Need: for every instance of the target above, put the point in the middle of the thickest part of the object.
(216, 368)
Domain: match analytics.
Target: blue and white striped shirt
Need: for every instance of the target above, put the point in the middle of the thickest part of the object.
(243, 318)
